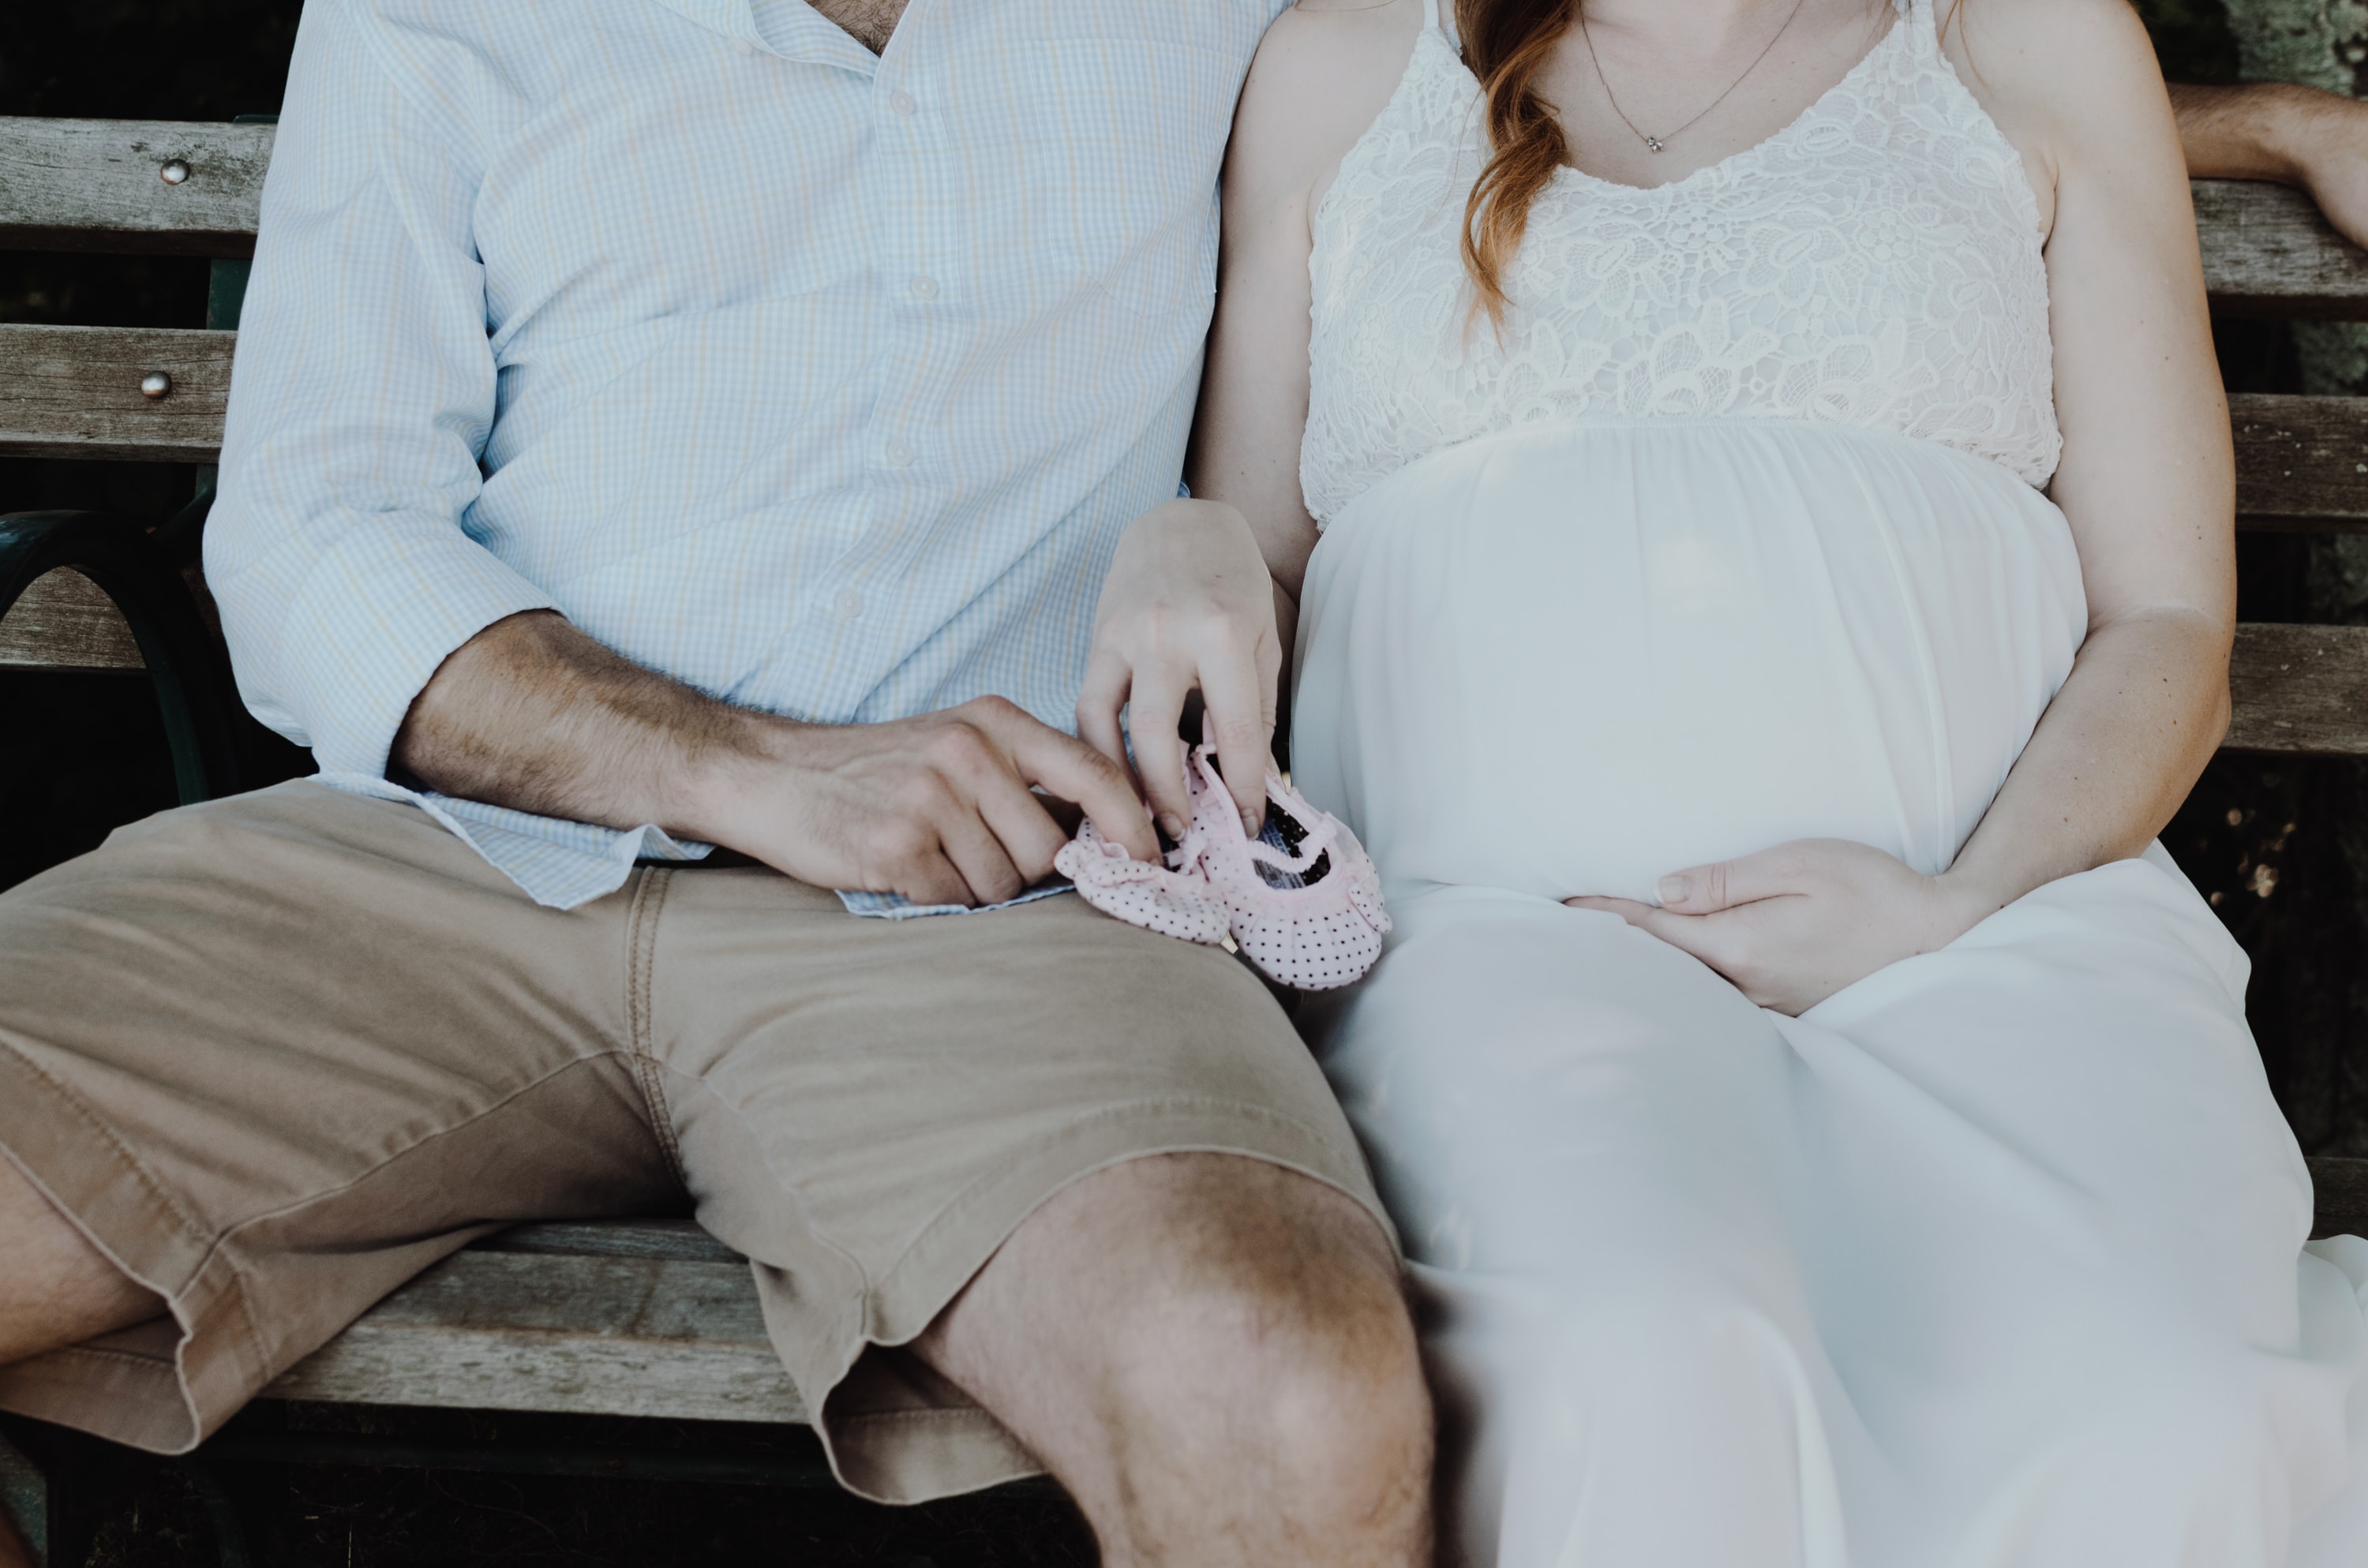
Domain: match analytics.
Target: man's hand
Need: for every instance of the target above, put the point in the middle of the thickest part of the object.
(1792, 924)
(531, 713)
(1188, 605)
(2274, 131)
(942, 808)
(2328, 137)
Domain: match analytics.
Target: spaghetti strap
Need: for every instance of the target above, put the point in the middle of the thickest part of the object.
(1430, 17)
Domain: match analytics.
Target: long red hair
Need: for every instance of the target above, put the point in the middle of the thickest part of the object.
(1505, 43)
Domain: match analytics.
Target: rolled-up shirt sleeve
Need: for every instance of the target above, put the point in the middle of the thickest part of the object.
(363, 393)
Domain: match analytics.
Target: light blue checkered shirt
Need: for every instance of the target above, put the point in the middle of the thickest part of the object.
(822, 383)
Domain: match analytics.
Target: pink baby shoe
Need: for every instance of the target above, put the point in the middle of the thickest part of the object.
(1302, 898)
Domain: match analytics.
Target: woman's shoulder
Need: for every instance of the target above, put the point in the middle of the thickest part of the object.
(1326, 69)
(2063, 79)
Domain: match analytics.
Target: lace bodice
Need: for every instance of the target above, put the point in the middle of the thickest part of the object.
(1876, 262)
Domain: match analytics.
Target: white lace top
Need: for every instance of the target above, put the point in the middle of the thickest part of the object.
(1876, 262)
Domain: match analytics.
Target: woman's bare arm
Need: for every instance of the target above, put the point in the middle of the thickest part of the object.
(1326, 69)
(2146, 483)
(2147, 480)
(1203, 595)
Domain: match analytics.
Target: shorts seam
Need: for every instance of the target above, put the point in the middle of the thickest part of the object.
(409, 1149)
(150, 1183)
(640, 966)
(191, 1228)
(790, 1192)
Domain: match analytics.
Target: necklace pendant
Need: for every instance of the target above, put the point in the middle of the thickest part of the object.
(1652, 143)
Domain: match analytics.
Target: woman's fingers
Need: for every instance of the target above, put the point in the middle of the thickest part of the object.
(1706, 890)
(1100, 701)
(1709, 940)
(1238, 716)
(1152, 713)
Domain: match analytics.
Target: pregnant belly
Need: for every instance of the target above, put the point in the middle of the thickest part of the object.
(1571, 657)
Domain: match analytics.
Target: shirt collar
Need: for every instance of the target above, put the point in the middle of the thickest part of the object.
(791, 29)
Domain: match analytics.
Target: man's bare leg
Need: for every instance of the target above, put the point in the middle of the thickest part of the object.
(57, 1289)
(1212, 1354)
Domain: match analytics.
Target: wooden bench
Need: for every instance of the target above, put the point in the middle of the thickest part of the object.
(656, 1318)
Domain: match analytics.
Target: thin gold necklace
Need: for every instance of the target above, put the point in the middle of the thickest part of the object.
(1655, 143)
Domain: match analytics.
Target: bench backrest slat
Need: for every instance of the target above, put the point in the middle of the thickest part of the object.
(75, 392)
(2299, 690)
(97, 185)
(2268, 252)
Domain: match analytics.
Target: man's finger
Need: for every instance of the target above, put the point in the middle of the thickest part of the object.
(988, 876)
(1706, 890)
(1069, 768)
(933, 879)
(1239, 719)
(1017, 817)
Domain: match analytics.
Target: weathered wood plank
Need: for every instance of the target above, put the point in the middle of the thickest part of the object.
(2302, 462)
(616, 1329)
(64, 622)
(2302, 690)
(2342, 1196)
(681, 1241)
(2267, 252)
(592, 1336)
(98, 185)
(75, 391)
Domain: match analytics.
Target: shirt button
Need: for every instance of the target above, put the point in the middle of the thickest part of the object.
(849, 604)
(900, 455)
(901, 102)
(925, 286)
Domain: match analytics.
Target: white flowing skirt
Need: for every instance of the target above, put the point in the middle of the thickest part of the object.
(1995, 1258)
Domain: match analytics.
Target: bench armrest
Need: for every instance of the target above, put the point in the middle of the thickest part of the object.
(189, 670)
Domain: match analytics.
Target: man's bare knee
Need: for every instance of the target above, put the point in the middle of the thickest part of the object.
(58, 1290)
(1235, 1374)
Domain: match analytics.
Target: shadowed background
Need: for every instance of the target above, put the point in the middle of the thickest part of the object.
(2281, 847)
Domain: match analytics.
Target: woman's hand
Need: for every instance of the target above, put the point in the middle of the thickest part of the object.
(1188, 605)
(1792, 924)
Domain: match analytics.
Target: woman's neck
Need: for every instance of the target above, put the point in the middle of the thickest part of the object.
(1650, 91)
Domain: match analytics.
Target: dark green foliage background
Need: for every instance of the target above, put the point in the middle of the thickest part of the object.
(81, 753)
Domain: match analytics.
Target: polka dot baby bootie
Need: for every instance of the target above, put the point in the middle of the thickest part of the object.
(1302, 898)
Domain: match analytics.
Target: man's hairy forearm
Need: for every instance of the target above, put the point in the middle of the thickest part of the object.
(531, 713)
(2245, 132)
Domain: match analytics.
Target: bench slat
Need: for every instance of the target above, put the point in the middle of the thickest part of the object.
(682, 1241)
(610, 1318)
(93, 184)
(97, 185)
(2267, 252)
(584, 1335)
(64, 622)
(2300, 690)
(2342, 1196)
(2302, 462)
(73, 391)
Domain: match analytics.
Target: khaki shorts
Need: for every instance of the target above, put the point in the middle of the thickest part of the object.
(276, 1054)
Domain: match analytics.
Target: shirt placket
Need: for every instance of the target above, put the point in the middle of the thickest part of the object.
(918, 281)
